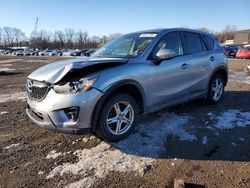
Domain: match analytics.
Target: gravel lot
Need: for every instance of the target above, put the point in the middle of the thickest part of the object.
(207, 146)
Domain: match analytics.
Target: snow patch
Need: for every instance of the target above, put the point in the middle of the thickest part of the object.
(12, 97)
(10, 61)
(204, 140)
(242, 77)
(134, 154)
(53, 154)
(233, 118)
(12, 146)
(4, 112)
(149, 140)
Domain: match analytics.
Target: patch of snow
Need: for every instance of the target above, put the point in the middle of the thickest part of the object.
(53, 154)
(12, 146)
(233, 143)
(133, 154)
(85, 139)
(6, 65)
(7, 70)
(204, 140)
(242, 77)
(241, 139)
(233, 118)
(12, 97)
(4, 112)
(149, 140)
(40, 172)
(10, 61)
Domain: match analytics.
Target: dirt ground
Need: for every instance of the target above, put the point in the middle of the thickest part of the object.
(207, 146)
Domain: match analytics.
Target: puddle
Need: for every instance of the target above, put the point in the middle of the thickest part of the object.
(242, 77)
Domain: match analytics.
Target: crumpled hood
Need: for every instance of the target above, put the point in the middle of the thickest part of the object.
(54, 72)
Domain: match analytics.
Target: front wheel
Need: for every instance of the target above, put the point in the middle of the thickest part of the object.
(118, 117)
(216, 89)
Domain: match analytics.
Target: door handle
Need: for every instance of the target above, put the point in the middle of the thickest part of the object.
(212, 58)
(184, 66)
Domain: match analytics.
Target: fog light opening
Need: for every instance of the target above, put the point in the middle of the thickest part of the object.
(72, 113)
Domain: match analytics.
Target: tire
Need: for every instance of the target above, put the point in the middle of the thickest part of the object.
(217, 84)
(122, 111)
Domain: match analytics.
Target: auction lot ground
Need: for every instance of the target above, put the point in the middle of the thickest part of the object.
(207, 146)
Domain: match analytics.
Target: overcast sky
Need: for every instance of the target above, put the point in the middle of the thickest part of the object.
(102, 17)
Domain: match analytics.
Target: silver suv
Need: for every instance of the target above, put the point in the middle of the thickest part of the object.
(134, 74)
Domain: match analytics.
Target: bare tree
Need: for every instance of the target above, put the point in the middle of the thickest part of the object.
(18, 35)
(61, 37)
(8, 36)
(69, 34)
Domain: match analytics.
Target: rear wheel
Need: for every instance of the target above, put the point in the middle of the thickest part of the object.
(118, 117)
(216, 89)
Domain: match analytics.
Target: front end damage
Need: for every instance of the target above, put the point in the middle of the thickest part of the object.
(65, 100)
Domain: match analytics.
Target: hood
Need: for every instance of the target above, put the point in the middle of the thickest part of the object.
(54, 72)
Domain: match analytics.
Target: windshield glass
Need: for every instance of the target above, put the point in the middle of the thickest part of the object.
(126, 46)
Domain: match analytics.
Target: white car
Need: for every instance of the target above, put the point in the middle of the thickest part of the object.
(68, 53)
(55, 53)
(45, 53)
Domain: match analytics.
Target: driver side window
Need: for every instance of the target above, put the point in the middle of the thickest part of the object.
(171, 41)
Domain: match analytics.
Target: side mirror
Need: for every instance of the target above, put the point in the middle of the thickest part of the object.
(164, 54)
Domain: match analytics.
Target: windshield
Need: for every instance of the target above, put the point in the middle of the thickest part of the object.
(126, 46)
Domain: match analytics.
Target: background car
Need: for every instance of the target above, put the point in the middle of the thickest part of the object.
(45, 53)
(243, 53)
(88, 53)
(231, 50)
(55, 53)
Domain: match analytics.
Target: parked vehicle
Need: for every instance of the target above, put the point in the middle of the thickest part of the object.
(232, 50)
(243, 53)
(45, 53)
(134, 74)
(88, 53)
(79, 52)
(55, 53)
(18, 53)
(68, 53)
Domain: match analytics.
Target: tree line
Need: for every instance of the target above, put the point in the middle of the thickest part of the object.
(70, 38)
(61, 39)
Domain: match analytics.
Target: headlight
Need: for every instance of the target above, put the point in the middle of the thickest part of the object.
(83, 84)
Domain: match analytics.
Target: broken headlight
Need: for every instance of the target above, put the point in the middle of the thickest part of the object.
(73, 87)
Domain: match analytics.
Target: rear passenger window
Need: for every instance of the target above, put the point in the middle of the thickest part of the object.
(193, 42)
(209, 42)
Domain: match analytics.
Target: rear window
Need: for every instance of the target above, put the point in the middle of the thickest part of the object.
(193, 42)
(209, 42)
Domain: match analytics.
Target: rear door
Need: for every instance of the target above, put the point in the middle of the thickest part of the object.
(198, 60)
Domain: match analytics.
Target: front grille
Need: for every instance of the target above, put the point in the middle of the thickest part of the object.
(37, 90)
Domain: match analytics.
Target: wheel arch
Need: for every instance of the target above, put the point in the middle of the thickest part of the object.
(219, 70)
(130, 87)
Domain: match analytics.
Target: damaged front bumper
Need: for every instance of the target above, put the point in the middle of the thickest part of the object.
(51, 113)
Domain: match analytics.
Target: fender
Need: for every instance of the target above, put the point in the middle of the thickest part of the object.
(107, 91)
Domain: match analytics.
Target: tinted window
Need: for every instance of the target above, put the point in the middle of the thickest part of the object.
(171, 41)
(209, 42)
(193, 42)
